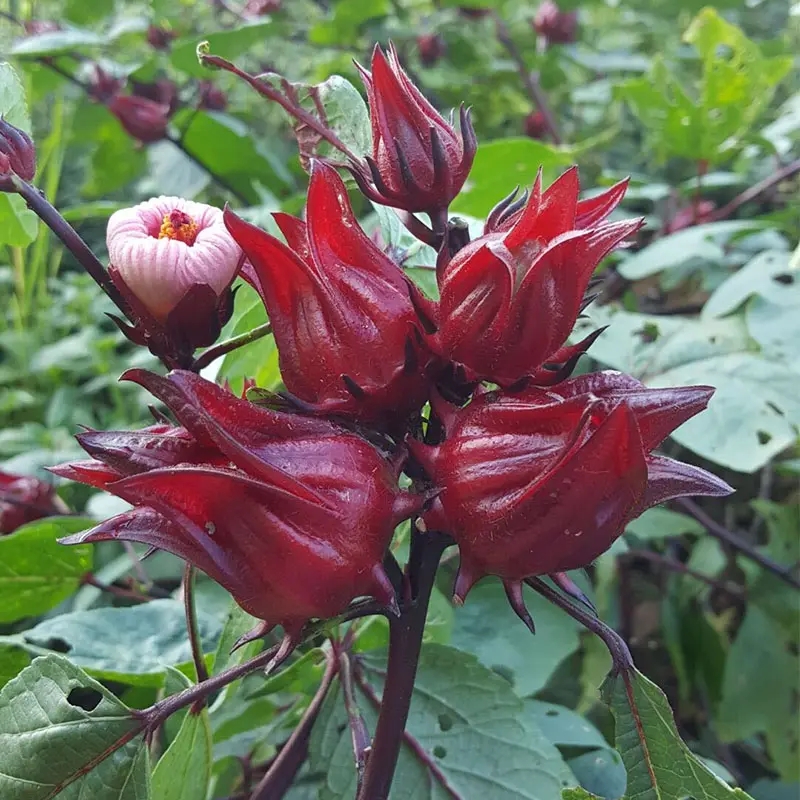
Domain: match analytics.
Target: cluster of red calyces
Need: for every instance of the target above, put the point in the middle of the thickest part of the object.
(290, 501)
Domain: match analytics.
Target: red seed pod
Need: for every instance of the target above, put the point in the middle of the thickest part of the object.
(544, 481)
(24, 499)
(160, 38)
(536, 125)
(348, 335)
(431, 48)
(212, 98)
(162, 91)
(554, 25)
(315, 506)
(17, 155)
(509, 299)
(103, 86)
(419, 162)
(143, 119)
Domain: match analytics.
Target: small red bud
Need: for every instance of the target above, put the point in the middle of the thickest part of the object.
(104, 86)
(24, 499)
(257, 8)
(554, 25)
(145, 120)
(17, 155)
(162, 91)
(212, 98)
(160, 38)
(431, 48)
(33, 27)
(536, 125)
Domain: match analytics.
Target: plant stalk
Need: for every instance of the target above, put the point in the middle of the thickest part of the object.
(405, 643)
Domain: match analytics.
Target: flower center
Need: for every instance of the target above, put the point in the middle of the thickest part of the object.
(178, 225)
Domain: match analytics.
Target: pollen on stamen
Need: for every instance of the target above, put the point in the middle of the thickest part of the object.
(180, 226)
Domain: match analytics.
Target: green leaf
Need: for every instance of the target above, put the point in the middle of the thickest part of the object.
(466, 719)
(237, 623)
(36, 572)
(63, 734)
(761, 689)
(346, 113)
(487, 627)
(563, 726)
(230, 44)
(737, 84)
(172, 172)
(500, 166)
(101, 209)
(755, 411)
(257, 360)
(702, 244)
(18, 225)
(184, 771)
(53, 42)
(224, 145)
(661, 523)
(348, 17)
(660, 766)
(12, 661)
(133, 645)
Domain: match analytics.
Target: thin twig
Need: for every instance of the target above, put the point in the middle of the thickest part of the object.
(754, 191)
(679, 566)
(118, 591)
(737, 542)
(191, 623)
(223, 348)
(530, 80)
(359, 733)
(294, 752)
(293, 109)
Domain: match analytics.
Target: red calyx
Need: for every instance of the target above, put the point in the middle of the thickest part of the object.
(315, 506)
(509, 299)
(419, 162)
(17, 155)
(554, 25)
(431, 48)
(544, 481)
(24, 499)
(143, 119)
(348, 336)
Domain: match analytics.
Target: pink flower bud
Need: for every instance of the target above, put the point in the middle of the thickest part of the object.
(175, 260)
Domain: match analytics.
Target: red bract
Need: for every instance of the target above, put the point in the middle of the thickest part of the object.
(145, 120)
(341, 312)
(290, 514)
(544, 481)
(23, 499)
(510, 298)
(431, 48)
(419, 162)
(17, 155)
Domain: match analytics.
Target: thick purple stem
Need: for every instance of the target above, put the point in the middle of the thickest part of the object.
(405, 642)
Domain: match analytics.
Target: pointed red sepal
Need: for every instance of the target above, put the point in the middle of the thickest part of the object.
(257, 632)
(567, 585)
(517, 602)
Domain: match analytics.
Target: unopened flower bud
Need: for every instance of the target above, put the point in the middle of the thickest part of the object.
(145, 120)
(431, 48)
(535, 125)
(160, 38)
(212, 98)
(17, 155)
(554, 25)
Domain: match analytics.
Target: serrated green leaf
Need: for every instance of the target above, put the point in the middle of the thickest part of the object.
(132, 645)
(468, 721)
(660, 766)
(63, 734)
(36, 572)
(184, 771)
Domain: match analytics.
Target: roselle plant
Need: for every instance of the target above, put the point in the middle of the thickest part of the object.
(460, 414)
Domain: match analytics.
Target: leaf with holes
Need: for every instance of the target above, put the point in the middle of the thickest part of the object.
(755, 411)
(63, 734)
(133, 645)
(36, 572)
(470, 733)
(660, 766)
